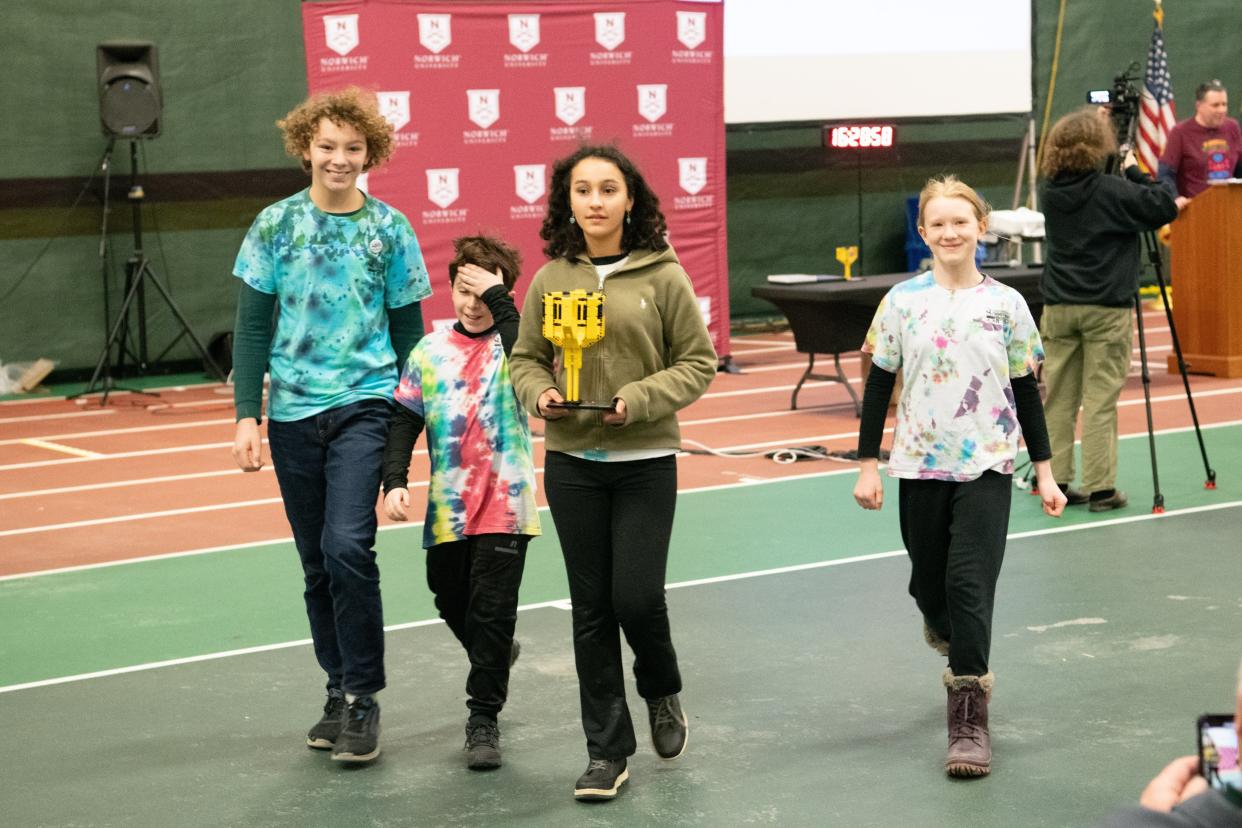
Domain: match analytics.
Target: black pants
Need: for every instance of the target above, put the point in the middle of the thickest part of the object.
(955, 535)
(614, 521)
(475, 582)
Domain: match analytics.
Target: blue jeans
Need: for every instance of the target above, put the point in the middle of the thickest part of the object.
(328, 467)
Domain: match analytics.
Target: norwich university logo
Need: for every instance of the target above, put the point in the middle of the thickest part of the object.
(340, 31)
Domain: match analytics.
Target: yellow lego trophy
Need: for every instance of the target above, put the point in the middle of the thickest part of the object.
(574, 320)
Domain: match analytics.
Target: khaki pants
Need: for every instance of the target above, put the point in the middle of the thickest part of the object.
(1087, 356)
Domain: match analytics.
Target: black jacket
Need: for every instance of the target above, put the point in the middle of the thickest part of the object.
(1093, 222)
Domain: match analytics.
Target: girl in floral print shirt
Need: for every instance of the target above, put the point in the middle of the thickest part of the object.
(967, 349)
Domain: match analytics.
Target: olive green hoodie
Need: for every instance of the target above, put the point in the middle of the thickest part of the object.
(656, 353)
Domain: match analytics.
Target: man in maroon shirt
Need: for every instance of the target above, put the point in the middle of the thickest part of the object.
(1202, 149)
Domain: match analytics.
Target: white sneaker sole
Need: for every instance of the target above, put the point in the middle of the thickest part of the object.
(590, 794)
(356, 757)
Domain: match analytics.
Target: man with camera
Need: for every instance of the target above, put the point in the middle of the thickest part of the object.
(1181, 796)
(1090, 283)
(1202, 149)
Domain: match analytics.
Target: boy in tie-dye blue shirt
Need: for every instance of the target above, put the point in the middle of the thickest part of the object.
(957, 351)
(334, 276)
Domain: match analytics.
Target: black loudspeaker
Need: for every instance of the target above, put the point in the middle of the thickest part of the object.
(130, 101)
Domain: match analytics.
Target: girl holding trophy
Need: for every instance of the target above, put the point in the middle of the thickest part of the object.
(611, 475)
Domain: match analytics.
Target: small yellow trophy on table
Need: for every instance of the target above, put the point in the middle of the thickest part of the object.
(574, 320)
(847, 256)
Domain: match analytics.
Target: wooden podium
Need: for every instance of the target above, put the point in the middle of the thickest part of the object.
(1207, 274)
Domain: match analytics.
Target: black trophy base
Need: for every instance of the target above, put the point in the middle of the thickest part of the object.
(583, 406)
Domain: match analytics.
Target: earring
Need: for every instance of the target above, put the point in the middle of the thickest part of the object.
(572, 220)
(627, 216)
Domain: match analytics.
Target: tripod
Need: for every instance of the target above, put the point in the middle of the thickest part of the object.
(137, 273)
(1153, 255)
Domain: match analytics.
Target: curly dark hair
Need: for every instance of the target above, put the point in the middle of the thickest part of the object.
(646, 228)
(488, 253)
(353, 106)
(1079, 142)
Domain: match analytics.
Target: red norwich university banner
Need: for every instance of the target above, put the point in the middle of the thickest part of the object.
(484, 96)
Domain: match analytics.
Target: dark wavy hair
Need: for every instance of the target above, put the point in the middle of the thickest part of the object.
(488, 253)
(646, 228)
(1079, 142)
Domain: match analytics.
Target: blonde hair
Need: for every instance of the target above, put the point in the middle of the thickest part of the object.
(350, 106)
(1078, 142)
(950, 186)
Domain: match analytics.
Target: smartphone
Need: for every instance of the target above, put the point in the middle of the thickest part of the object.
(1218, 751)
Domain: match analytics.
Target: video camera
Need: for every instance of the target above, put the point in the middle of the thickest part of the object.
(1123, 104)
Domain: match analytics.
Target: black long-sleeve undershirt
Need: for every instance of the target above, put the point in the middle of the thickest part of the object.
(879, 389)
(406, 425)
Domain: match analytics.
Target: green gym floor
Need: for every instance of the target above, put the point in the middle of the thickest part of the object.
(176, 691)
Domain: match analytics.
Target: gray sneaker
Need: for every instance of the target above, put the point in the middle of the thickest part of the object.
(359, 739)
(670, 731)
(482, 745)
(325, 732)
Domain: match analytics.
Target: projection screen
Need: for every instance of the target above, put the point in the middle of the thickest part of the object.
(829, 60)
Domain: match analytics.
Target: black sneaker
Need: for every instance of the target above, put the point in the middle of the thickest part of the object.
(359, 739)
(1107, 503)
(325, 732)
(1074, 497)
(602, 780)
(482, 744)
(669, 729)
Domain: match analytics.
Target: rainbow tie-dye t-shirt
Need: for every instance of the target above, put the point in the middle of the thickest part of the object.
(957, 351)
(478, 437)
(333, 277)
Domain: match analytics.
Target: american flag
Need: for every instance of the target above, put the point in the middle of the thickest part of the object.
(1156, 116)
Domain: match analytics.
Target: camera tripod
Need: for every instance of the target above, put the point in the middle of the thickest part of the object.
(137, 273)
(1153, 255)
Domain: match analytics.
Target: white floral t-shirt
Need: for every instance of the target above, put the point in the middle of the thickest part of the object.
(957, 351)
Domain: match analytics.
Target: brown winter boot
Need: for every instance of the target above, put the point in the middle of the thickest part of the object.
(970, 746)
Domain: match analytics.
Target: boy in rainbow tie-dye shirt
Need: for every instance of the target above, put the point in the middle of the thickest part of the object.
(481, 510)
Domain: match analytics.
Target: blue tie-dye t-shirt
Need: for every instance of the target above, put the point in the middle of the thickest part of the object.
(478, 438)
(957, 351)
(333, 277)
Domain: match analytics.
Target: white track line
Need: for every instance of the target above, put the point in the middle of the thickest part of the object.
(77, 524)
(112, 432)
(720, 579)
(39, 418)
(50, 446)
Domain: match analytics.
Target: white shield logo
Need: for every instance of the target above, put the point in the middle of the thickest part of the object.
(692, 174)
(395, 107)
(570, 103)
(652, 100)
(341, 32)
(609, 29)
(484, 106)
(524, 31)
(691, 28)
(528, 181)
(435, 31)
(442, 187)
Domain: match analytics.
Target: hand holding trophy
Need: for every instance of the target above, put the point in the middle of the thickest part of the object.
(574, 320)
